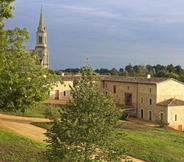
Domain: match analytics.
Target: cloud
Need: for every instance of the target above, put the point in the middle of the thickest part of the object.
(111, 33)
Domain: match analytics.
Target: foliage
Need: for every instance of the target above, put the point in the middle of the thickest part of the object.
(6, 9)
(162, 123)
(87, 127)
(23, 82)
(169, 71)
(52, 112)
(38, 112)
(124, 115)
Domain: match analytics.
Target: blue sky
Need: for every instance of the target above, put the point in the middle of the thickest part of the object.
(111, 34)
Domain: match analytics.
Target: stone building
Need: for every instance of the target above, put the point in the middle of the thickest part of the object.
(152, 98)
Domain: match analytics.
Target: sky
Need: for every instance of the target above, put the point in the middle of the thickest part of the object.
(111, 33)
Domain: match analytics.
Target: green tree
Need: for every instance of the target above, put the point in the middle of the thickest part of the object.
(140, 70)
(114, 71)
(179, 70)
(88, 126)
(150, 70)
(170, 68)
(129, 69)
(159, 67)
(23, 82)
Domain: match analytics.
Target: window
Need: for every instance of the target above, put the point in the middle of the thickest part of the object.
(114, 89)
(142, 100)
(64, 85)
(128, 88)
(150, 115)
(150, 101)
(150, 90)
(142, 113)
(128, 99)
(40, 39)
(161, 116)
(64, 93)
(175, 117)
(56, 94)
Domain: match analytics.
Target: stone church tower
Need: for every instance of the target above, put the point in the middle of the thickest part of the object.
(41, 43)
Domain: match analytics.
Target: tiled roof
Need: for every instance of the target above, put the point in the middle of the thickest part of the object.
(152, 80)
(30, 51)
(68, 77)
(171, 102)
(145, 80)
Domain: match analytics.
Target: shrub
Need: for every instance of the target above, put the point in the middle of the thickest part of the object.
(162, 123)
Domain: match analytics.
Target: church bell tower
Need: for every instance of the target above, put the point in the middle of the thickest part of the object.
(41, 43)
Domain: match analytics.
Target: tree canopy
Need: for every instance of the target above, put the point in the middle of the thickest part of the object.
(23, 82)
(88, 128)
(158, 70)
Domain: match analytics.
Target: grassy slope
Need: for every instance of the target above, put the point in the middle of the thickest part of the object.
(17, 148)
(154, 144)
(38, 112)
(150, 144)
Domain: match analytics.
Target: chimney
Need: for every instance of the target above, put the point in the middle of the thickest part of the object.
(148, 76)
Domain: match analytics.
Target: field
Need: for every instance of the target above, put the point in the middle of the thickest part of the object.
(151, 144)
(17, 148)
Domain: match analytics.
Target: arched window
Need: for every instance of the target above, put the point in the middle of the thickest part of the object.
(40, 39)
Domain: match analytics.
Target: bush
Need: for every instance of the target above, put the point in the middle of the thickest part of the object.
(52, 112)
(162, 123)
(124, 115)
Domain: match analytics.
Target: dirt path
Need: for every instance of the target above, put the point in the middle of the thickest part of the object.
(22, 126)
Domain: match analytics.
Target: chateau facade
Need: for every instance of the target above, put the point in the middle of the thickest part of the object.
(152, 98)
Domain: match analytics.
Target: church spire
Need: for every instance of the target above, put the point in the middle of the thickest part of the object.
(41, 22)
(41, 43)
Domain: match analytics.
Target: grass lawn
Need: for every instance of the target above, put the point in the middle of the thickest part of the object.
(150, 144)
(38, 112)
(17, 148)
(153, 144)
(147, 143)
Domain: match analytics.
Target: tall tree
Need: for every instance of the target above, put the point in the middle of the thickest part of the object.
(140, 70)
(88, 125)
(179, 70)
(159, 67)
(23, 82)
(114, 71)
(129, 69)
(170, 68)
